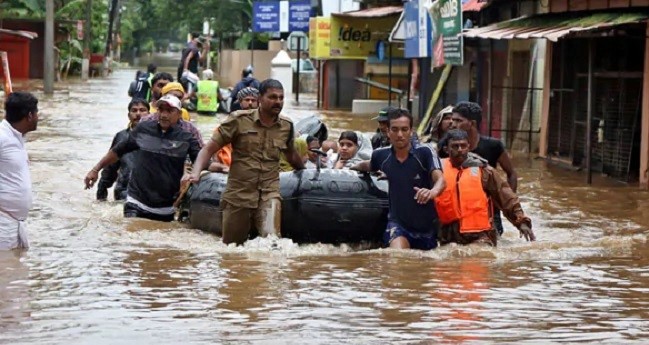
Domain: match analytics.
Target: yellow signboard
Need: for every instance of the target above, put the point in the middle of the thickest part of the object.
(353, 37)
(319, 37)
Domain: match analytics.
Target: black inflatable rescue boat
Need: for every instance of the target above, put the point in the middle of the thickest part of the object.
(327, 206)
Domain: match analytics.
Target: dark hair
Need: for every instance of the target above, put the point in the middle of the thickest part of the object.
(161, 76)
(310, 139)
(136, 101)
(195, 35)
(151, 68)
(470, 111)
(395, 113)
(349, 135)
(455, 134)
(137, 74)
(269, 84)
(18, 106)
(246, 72)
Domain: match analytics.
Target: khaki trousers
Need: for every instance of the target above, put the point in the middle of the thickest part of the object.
(238, 222)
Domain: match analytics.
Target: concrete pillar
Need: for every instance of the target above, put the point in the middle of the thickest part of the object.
(545, 102)
(48, 80)
(280, 69)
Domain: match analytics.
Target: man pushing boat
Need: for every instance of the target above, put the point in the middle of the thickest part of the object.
(251, 201)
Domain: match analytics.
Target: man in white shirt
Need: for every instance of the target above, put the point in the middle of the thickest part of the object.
(21, 117)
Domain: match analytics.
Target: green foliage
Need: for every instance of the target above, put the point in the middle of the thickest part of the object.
(171, 21)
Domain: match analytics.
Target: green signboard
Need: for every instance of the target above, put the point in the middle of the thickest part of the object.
(446, 16)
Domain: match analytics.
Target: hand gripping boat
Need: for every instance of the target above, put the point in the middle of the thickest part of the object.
(327, 206)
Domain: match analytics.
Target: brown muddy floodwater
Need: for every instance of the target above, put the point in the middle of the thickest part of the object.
(93, 277)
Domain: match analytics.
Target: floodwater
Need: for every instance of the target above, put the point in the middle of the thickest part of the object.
(92, 277)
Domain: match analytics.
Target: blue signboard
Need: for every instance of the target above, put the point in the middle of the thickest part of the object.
(265, 16)
(284, 16)
(417, 30)
(298, 15)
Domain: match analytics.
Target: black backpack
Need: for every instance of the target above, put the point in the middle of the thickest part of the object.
(141, 87)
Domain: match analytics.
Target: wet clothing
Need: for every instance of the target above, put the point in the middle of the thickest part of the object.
(490, 149)
(415, 171)
(421, 241)
(13, 233)
(499, 193)
(15, 187)
(380, 140)
(184, 125)
(254, 173)
(133, 210)
(239, 222)
(160, 157)
(463, 200)
(242, 84)
(117, 173)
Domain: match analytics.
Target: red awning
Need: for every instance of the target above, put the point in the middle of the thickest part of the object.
(473, 5)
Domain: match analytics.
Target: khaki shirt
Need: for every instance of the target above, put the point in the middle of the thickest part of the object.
(254, 174)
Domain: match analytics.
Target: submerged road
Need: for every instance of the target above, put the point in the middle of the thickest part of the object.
(92, 277)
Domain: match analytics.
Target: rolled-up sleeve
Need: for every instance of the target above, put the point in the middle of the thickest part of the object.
(226, 132)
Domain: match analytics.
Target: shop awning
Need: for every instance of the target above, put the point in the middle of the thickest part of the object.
(473, 5)
(20, 33)
(554, 26)
(376, 12)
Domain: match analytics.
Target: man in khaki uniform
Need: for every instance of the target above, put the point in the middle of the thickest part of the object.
(251, 199)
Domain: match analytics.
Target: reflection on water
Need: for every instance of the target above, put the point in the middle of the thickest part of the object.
(93, 277)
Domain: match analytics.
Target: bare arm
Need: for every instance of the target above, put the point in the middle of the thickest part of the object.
(439, 184)
(202, 160)
(363, 166)
(508, 167)
(110, 158)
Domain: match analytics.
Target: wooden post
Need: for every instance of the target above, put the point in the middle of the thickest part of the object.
(48, 76)
(644, 142)
(545, 102)
(589, 115)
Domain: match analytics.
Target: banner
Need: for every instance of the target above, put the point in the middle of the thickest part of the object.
(353, 37)
(448, 45)
(5, 70)
(319, 37)
(417, 29)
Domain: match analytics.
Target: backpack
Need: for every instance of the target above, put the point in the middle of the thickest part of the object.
(142, 87)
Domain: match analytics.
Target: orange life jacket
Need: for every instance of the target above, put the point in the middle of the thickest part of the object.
(464, 200)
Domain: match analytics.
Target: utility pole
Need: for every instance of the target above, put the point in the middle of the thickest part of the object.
(85, 63)
(48, 79)
(109, 36)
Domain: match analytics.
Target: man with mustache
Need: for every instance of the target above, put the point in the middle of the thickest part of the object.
(161, 148)
(251, 200)
(465, 207)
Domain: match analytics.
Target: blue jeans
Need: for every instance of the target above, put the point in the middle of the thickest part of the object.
(417, 240)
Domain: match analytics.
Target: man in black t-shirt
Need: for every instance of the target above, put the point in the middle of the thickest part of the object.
(467, 116)
(189, 56)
